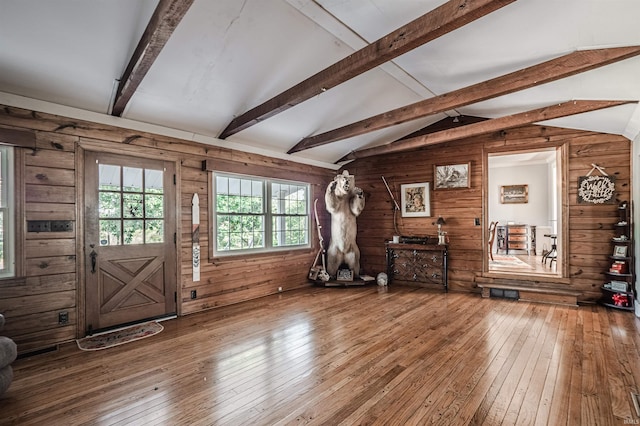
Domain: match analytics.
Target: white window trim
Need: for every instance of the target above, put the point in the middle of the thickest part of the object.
(266, 183)
(8, 183)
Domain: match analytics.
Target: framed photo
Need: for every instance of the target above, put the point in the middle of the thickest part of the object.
(514, 194)
(452, 176)
(620, 251)
(415, 200)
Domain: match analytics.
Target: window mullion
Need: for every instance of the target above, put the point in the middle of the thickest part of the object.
(267, 213)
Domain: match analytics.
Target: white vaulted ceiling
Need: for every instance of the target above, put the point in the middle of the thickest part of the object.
(226, 57)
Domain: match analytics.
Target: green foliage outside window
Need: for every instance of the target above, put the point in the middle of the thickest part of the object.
(131, 213)
(245, 221)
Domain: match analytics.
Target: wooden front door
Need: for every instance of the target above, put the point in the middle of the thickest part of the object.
(130, 251)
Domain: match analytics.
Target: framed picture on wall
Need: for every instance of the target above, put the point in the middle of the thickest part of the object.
(452, 176)
(415, 200)
(514, 194)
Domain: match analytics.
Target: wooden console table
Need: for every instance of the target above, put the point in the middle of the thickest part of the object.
(417, 263)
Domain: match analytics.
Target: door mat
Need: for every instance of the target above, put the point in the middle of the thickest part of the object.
(119, 337)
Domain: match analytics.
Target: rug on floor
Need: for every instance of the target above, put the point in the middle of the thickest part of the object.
(119, 337)
(508, 261)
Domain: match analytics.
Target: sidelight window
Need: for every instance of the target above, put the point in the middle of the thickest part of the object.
(7, 228)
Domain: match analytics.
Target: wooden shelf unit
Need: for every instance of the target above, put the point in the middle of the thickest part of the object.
(618, 291)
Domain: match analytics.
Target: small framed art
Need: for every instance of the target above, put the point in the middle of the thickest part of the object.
(452, 176)
(620, 251)
(415, 200)
(514, 194)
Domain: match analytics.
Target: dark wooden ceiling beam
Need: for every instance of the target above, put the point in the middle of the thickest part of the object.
(485, 127)
(15, 137)
(545, 72)
(444, 124)
(161, 26)
(442, 20)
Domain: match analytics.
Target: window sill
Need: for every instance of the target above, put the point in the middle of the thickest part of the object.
(247, 256)
(13, 281)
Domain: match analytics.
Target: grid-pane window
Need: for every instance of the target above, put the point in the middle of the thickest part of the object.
(256, 214)
(7, 230)
(130, 205)
(289, 214)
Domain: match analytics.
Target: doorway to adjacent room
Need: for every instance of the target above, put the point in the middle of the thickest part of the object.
(524, 198)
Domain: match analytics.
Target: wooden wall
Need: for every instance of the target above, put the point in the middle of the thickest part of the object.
(51, 263)
(590, 227)
(51, 278)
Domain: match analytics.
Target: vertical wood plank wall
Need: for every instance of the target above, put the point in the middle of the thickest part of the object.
(52, 281)
(590, 227)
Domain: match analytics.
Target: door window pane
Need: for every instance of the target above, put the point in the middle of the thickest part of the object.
(136, 208)
(110, 232)
(109, 204)
(132, 231)
(109, 177)
(132, 205)
(132, 179)
(153, 181)
(154, 231)
(154, 206)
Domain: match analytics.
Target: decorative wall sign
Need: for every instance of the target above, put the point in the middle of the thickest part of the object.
(596, 190)
(195, 236)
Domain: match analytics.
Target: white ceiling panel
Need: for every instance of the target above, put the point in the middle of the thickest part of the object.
(228, 56)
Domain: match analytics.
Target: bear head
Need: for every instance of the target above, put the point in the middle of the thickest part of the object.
(344, 183)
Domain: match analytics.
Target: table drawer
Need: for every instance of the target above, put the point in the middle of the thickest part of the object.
(517, 230)
(517, 238)
(517, 246)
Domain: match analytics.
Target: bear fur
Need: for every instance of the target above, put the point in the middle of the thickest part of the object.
(345, 202)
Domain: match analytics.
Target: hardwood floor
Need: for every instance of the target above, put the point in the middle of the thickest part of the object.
(359, 355)
(535, 266)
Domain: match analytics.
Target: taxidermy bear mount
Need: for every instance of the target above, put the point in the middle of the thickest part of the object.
(345, 202)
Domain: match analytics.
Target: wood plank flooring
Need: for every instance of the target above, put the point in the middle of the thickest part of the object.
(351, 356)
(536, 266)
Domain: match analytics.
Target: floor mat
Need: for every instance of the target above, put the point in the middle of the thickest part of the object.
(119, 337)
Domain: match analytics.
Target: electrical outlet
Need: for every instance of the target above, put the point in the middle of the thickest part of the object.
(194, 294)
(476, 221)
(63, 317)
